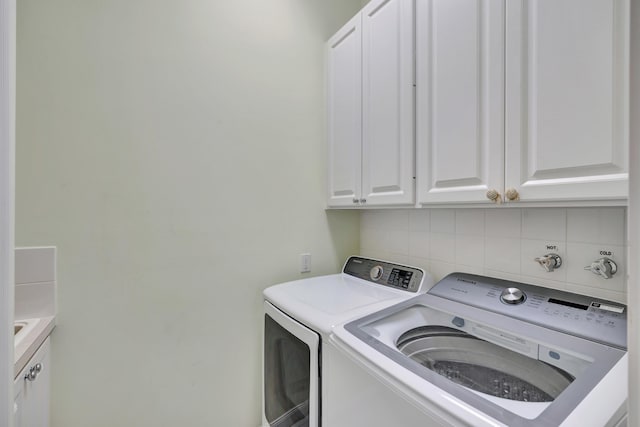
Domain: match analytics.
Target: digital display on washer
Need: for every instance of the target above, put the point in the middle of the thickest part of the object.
(400, 278)
(568, 304)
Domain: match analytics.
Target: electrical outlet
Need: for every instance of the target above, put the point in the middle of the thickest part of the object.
(305, 263)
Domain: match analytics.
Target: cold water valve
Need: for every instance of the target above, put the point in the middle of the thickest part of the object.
(604, 267)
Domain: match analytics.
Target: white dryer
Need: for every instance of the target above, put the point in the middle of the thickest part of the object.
(477, 351)
(298, 319)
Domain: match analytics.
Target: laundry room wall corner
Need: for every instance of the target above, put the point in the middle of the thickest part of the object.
(174, 153)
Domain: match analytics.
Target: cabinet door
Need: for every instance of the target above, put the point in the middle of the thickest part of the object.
(460, 99)
(567, 98)
(387, 102)
(344, 98)
(35, 394)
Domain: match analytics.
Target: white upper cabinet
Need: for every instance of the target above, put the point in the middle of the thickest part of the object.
(567, 97)
(371, 107)
(344, 97)
(460, 99)
(529, 98)
(388, 102)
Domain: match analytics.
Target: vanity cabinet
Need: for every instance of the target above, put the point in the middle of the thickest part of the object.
(522, 100)
(32, 390)
(370, 78)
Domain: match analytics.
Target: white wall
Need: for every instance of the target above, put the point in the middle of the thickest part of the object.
(174, 153)
(7, 186)
(503, 243)
(634, 222)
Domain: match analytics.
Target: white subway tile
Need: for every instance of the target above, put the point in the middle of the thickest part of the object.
(503, 243)
(419, 244)
(35, 300)
(397, 241)
(470, 251)
(503, 223)
(396, 220)
(373, 239)
(443, 221)
(470, 222)
(372, 219)
(33, 265)
(596, 225)
(544, 224)
(420, 220)
(502, 254)
(442, 247)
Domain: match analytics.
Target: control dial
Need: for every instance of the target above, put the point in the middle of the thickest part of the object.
(376, 273)
(512, 296)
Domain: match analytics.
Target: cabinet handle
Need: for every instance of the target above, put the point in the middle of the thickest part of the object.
(512, 194)
(494, 196)
(31, 375)
(356, 201)
(33, 372)
(363, 201)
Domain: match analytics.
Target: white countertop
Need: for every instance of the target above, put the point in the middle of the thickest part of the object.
(29, 344)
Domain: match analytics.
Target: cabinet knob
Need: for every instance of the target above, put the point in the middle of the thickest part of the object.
(494, 196)
(604, 267)
(363, 201)
(356, 201)
(512, 194)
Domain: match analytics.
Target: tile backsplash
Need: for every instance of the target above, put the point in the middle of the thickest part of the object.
(503, 243)
(35, 277)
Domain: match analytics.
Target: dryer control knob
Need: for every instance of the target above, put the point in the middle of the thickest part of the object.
(376, 273)
(512, 296)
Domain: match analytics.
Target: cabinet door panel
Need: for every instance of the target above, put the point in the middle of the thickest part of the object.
(460, 88)
(344, 75)
(387, 102)
(567, 98)
(34, 396)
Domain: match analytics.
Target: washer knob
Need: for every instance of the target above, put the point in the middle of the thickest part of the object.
(512, 296)
(376, 273)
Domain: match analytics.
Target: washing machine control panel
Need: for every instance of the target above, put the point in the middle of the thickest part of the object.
(580, 315)
(385, 273)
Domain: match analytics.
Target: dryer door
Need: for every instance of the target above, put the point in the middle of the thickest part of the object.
(290, 371)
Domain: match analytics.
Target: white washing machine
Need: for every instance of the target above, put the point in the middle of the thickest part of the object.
(299, 317)
(476, 351)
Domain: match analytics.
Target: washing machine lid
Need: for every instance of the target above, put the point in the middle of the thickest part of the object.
(433, 343)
